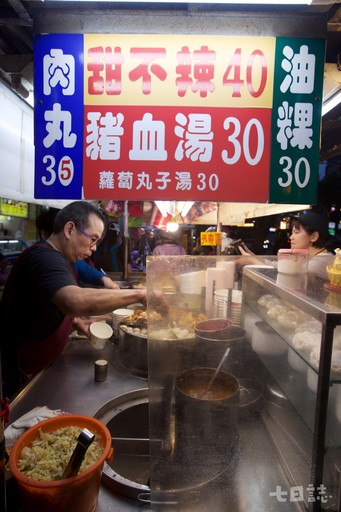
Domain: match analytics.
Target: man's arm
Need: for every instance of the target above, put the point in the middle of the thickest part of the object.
(77, 301)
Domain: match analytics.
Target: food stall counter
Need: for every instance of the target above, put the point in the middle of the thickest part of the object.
(68, 384)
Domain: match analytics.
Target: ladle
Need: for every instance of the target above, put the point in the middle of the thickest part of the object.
(227, 351)
(85, 439)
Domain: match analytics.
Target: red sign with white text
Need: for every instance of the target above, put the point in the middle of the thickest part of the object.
(188, 154)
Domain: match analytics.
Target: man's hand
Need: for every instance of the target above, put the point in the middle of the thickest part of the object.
(82, 324)
(159, 303)
(109, 283)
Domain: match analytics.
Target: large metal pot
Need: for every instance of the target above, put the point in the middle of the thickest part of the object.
(206, 422)
(133, 352)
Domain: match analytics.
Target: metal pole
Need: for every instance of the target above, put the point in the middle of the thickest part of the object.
(2, 451)
(125, 241)
(218, 228)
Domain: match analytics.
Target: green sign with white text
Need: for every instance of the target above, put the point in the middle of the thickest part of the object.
(296, 120)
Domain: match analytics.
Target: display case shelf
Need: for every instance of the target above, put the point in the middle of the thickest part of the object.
(287, 336)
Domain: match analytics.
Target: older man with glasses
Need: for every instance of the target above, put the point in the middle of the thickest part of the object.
(42, 297)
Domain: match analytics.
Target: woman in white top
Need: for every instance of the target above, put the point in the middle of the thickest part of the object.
(310, 231)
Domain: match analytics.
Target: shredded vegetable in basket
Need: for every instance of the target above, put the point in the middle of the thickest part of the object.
(49, 453)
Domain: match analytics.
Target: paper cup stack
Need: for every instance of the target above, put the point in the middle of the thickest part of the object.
(117, 316)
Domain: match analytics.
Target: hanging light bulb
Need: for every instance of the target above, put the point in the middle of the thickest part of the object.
(172, 227)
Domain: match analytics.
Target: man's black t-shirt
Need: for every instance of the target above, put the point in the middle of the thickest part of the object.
(26, 310)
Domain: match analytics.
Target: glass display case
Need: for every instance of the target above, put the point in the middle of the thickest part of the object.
(241, 416)
(294, 327)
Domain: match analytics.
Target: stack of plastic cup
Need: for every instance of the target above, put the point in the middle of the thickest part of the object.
(221, 298)
(236, 306)
(117, 317)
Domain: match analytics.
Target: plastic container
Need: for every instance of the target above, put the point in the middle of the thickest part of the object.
(334, 275)
(292, 261)
(117, 316)
(76, 494)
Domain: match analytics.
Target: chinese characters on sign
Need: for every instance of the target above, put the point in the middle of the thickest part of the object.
(296, 116)
(58, 116)
(176, 117)
(210, 238)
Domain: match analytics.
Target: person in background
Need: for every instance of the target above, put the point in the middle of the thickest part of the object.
(309, 230)
(169, 245)
(4, 273)
(84, 271)
(42, 301)
(147, 244)
(107, 255)
(200, 250)
(87, 274)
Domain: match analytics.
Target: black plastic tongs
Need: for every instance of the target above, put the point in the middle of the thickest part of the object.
(84, 440)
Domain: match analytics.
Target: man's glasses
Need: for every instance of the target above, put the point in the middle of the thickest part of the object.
(94, 241)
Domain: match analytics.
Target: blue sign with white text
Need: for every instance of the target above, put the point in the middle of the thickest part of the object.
(58, 131)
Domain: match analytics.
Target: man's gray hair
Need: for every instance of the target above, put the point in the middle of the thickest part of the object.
(78, 212)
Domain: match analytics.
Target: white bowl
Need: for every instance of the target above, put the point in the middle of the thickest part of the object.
(266, 341)
(249, 322)
(296, 362)
(117, 316)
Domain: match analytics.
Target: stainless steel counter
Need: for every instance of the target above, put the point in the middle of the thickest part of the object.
(69, 384)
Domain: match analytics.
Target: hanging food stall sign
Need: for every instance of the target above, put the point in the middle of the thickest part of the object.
(210, 238)
(163, 117)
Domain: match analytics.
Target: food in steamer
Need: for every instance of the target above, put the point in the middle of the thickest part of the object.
(135, 323)
(178, 324)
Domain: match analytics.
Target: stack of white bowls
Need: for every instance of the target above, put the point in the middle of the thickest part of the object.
(117, 317)
(265, 341)
(192, 282)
